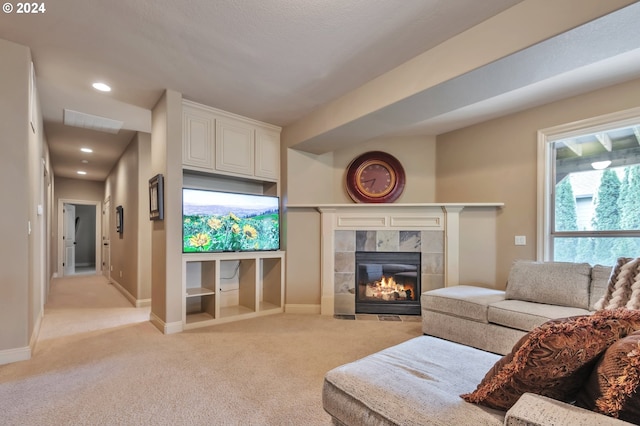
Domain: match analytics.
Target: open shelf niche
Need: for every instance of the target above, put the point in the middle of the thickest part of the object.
(224, 287)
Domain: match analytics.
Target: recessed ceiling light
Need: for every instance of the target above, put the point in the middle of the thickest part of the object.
(86, 150)
(85, 161)
(81, 172)
(101, 87)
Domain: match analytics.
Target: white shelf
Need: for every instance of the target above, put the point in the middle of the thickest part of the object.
(224, 287)
(236, 310)
(199, 291)
(198, 318)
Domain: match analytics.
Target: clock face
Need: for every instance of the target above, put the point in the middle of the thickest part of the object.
(375, 177)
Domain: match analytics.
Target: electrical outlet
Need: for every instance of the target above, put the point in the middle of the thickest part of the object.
(521, 240)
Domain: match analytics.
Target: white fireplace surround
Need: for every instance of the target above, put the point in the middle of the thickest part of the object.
(381, 217)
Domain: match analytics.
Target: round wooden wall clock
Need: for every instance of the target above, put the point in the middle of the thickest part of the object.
(375, 177)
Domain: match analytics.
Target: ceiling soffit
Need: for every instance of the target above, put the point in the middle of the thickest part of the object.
(600, 41)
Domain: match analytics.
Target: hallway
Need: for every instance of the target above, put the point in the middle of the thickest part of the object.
(83, 303)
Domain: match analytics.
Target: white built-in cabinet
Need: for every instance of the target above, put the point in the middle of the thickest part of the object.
(267, 156)
(215, 141)
(198, 139)
(227, 149)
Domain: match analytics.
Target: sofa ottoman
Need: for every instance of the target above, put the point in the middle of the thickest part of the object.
(417, 382)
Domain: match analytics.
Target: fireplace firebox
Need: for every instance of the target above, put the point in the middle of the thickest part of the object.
(388, 283)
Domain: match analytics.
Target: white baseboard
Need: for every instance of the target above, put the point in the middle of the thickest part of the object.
(36, 331)
(124, 292)
(143, 303)
(14, 355)
(138, 303)
(292, 308)
(165, 328)
(327, 305)
(22, 354)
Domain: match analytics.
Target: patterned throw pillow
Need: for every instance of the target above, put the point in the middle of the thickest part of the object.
(619, 286)
(634, 297)
(554, 359)
(613, 385)
(622, 288)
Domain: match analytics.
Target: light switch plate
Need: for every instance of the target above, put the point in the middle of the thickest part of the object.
(521, 240)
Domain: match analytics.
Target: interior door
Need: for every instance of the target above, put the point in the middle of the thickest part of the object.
(69, 238)
(106, 248)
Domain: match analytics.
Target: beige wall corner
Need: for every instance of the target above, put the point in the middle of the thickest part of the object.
(166, 259)
(144, 224)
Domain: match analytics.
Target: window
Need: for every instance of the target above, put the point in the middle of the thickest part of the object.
(589, 190)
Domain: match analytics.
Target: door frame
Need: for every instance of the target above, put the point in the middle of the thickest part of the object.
(98, 230)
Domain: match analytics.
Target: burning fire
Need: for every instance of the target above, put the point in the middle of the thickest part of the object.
(388, 289)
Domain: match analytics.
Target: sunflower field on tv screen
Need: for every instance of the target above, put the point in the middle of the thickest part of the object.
(211, 233)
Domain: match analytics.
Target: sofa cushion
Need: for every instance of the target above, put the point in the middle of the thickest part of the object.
(526, 316)
(463, 301)
(554, 359)
(413, 383)
(556, 283)
(532, 409)
(613, 384)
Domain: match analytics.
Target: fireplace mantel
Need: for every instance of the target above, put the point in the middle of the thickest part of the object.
(373, 206)
(388, 217)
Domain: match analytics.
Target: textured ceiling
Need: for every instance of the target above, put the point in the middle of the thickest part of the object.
(279, 60)
(271, 60)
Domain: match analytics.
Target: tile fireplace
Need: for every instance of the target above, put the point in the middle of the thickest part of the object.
(429, 229)
(370, 255)
(387, 283)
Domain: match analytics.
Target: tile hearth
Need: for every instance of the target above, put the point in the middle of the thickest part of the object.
(346, 242)
(384, 317)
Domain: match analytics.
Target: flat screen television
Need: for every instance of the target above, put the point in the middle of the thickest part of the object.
(216, 221)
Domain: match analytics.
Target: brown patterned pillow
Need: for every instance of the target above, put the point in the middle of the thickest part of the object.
(554, 359)
(613, 384)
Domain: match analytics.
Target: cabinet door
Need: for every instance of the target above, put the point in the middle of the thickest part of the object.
(267, 154)
(234, 146)
(197, 139)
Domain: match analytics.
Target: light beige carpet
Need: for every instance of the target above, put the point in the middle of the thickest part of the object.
(98, 361)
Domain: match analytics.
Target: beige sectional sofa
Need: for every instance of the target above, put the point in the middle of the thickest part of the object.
(494, 320)
(420, 381)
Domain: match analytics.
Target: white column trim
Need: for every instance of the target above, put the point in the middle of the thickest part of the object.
(327, 225)
(452, 245)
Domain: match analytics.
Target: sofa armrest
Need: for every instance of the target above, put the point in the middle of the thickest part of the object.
(534, 410)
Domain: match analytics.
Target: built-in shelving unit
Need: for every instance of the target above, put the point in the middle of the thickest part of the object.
(223, 287)
(228, 152)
